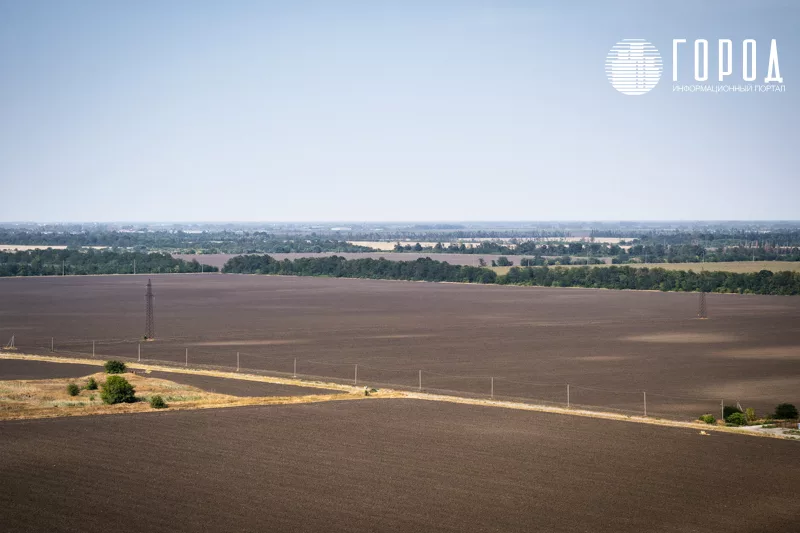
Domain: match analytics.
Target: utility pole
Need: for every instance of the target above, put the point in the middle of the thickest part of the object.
(492, 393)
(420, 380)
(134, 266)
(187, 357)
(294, 374)
(92, 349)
(355, 380)
(63, 268)
(52, 344)
(149, 329)
(702, 311)
(645, 402)
(567, 395)
(140, 353)
(237, 361)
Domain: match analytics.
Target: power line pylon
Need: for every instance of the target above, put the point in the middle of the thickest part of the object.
(149, 328)
(702, 311)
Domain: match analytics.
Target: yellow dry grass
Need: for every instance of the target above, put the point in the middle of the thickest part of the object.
(348, 393)
(29, 399)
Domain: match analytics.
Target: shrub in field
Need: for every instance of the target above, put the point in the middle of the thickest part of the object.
(728, 410)
(708, 419)
(114, 367)
(91, 384)
(73, 390)
(737, 419)
(116, 389)
(750, 414)
(786, 410)
(157, 402)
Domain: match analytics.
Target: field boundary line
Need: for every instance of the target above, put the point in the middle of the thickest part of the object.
(401, 394)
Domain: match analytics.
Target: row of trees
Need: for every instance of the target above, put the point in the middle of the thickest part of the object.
(545, 253)
(76, 262)
(229, 242)
(613, 277)
(338, 267)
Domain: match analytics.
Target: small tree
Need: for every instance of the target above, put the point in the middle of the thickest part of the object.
(728, 410)
(750, 414)
(73, 389)
(91, 384)
(114, 367)
(504, 262)
(737, 419)
(157, 402)
(708, 419)
(116, 389)
(786, 410)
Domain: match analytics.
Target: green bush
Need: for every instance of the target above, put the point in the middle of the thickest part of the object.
(737, 419)
(786, 410)
(73, 390)
(114, 367)
(116, 389)
(91, 384)
(157, 402)
(708, 419)
(728, 410)
(750, 414)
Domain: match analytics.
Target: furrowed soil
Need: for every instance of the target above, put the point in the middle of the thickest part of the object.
(387, 465)
(610, 346)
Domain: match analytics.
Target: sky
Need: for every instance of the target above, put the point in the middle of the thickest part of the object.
(414, 110)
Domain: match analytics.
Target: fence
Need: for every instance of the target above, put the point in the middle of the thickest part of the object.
(571, 395)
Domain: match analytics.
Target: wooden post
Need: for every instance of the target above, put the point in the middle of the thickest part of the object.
(420, 380)
(92, 349)
(355, 380)
(140, 352)
(567, 395)
(187, 357)
(492, 393)
(52, 344)
(237, 361)
(294, 374)
(645, 402)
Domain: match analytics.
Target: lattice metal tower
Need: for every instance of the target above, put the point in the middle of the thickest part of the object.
(702, 312)
(149, 328)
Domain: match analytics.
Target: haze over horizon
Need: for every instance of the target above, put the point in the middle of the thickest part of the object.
(421, 111)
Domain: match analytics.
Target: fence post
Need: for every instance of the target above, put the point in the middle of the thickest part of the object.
(140, 352)
(92, 349)
(567, 395)
(420, 381)
(294, 374)
(187, 357)
(645, 402)
(52, 344)
(492, 393)
(355, 380)
(237, 361)
(722, 409)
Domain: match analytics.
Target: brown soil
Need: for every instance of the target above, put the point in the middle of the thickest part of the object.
(390, 465)
(608, 345)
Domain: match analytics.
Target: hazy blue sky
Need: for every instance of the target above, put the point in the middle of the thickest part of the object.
(430, 110)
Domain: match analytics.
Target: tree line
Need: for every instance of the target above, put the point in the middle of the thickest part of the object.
(228, 242)
(613, 277)
(76, 262)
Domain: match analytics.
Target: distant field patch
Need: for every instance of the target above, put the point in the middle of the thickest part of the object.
(683, 338)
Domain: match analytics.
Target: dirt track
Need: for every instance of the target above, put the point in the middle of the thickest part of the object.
(387, 465)
(537, 339)
(19, 369)
(236, 387)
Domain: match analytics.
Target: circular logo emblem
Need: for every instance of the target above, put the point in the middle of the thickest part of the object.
(633, 66)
